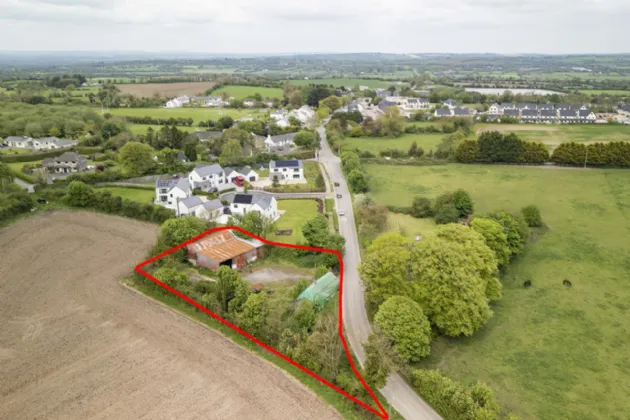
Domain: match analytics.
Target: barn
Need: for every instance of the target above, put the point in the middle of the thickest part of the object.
(224, 248)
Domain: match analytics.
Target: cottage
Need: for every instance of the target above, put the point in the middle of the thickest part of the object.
(19, 142)
(280, 140)
(286, 169)
(207, 177)
(263, 203)
(209, 210)
(69, 162)
(169, 192)
(223, 248)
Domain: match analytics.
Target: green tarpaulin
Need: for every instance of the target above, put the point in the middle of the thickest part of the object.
(321, 290)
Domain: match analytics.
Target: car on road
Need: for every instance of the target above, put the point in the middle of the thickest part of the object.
(341, 213)
(338, 195)
(336, 184)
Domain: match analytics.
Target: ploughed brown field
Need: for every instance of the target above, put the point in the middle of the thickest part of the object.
(147, 90)
(76, 344)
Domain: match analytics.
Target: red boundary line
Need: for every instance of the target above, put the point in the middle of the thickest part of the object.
(382, 414)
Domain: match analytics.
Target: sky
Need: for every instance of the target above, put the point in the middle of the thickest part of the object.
(289, 26)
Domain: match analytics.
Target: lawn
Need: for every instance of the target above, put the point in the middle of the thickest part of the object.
(376, 144)
(17, 166)
(297, 212)
(408, 226)
(139, 195)
(242, 92)
(197, 114)
(549, 352)
(143, 128)
(553, 135)
(11, 152)
(371, 83)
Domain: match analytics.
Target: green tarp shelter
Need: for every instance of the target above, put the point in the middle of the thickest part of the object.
(321, 290)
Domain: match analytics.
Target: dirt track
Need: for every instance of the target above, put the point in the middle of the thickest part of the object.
(75, 344)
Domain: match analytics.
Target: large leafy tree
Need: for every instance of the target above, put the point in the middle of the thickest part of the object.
(511, 227)
(357, 181)
(79, 195)
(380, 359)
(495, 238)
(232, 153)
(136, 158)
(403, 321)
(316, 231)
(175, 231)
(253, 315)
(392, 123)
(463, 202)
(232, 291)
(256, 223)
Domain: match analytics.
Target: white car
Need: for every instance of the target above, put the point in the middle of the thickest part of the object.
(341, 212)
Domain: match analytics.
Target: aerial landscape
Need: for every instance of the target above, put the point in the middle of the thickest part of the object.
(335, 226)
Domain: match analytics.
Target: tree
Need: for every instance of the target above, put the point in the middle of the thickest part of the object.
(532, 216)
(190, 150)
(110, 129)
(332, 102)
(239, 134)
(231, 153)
(421, 207)
(252, 317)
(392, 123)
(515, 240)
(350, 161)
(403, 321)
(385, 268)
(415, 151)
(225, 122)
(79, 195)
(136, 158)
(357, 181)
(319, 181)
(463, 202)
(175, 231)
(446, 213)
(305, 316)
(316, 231)
(256, 223)
(380, 359)
(494, 236)
(171, 277)
(467, 151)
(305, 139)
(232, 291)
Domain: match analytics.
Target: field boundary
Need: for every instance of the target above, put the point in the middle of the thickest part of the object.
(139, 268)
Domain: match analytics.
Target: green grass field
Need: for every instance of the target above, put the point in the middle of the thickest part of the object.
(371, 83)
(11, 152)
(142, 128)
(136, 194)
(242, 92)
(606, 92)
(197, 114)
(297, 212)
(409, 226)
(17, 166)
(376, 144)
(553, 135)
(549, 352)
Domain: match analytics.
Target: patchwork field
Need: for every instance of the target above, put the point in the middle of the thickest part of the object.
(168, 90)
(77, 344)
(371, 83)
(242, 92)
(549, 352)
(376, 144)
(553, 135)
(197, 114)
(297, 212)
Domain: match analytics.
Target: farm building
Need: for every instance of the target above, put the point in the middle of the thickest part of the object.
(224, 248)
(321, 290)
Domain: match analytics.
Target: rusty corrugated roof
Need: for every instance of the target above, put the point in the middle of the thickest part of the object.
(221, 246)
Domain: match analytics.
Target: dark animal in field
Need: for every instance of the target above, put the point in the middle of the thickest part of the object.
(567, 283)
(528, 283)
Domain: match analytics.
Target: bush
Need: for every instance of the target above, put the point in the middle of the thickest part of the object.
(421, 207)
(532, 216)
(463, 202)
(446, 213)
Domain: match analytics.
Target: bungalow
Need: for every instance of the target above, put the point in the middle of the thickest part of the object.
(246, 172)
(286, 169)
(207, 177)
(209, 210)
(19, 142)
(264, 203)
(223, 248)
(443, 112)
(280, 140)
(68, 162)
(178, 102)
(46, 143)
(450, 103)
(169, 192)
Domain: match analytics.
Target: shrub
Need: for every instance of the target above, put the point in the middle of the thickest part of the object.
(421, 207)
(463, 202)
(446, 213)
(532, 216)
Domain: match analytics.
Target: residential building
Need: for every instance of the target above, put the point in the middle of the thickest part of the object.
(281, 140)
(384, 104)
(624, 110)
(223, 248)
(185, 207)
(246, 172)
(209, 210)
(278, 114)
(586, 115)
(286, 169)
(68, 162)
(46, 143)
(250, 103)
(205, 136)
(450, 103)
(416, 103)
(283, 122)
(19, 142)
(207, 177)
(178, 102)
(264, 203)
(169, 192)
(463, 112)
(443, 112)
(304, 114)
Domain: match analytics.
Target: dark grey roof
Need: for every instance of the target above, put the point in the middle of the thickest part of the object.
(69, 157)
(563, 106)
(292, 163)
(205, 135)
(528, 106)
(530, 113)
(413, 100)
(567, 113)
(511, 112)
(182, 183)
(547, 113)
(450, 102)
(262, 200)
(17, 138)
(212, 204)
(243, 199)
(280, 138)
(576, 107)
(205, 170)
(462, 111)
(383, 105)
(191, 202)
(584, 112)
(443, 112)
(545, 106)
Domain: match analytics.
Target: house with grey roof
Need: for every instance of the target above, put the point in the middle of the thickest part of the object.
(450, 103)
(462, 112)
(186, 206)
(205, 136)
(280, 140)
(21, 142)
(264, 203)
(207, 177)
(286, 170)
(68, 162)
(46, 143)
(246, 172)
(586, 116)
(443, 112)
(168, 192)
(177, 102)
(511, 113)
(529, 115)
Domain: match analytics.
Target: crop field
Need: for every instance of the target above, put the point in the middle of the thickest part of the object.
(139, 195)
(371, 83)
(297, 212)
(76, 344)
(376, 144)
(553, 135)
(197, 114)
(168, 90)
(242, 92)
(549, 352)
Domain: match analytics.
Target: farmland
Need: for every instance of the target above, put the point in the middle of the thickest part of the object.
(197, 114)
(377, 144)
(139, 195)
(553, 135)
(549, 351)
(606, 92)
(92, 348)
(371, 83)
(242, 92)
(148, 90)
(296, 213)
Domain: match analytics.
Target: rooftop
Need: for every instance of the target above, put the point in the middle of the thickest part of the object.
(292, 163)
(222, 246)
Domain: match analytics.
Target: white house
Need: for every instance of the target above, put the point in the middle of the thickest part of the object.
(495, 109)
(246, 172)
(450, 103)
(249, 103)
(283, 122)
(286, 169)
(409, 104)
(68, 162)
(304, 114)
(209, 210)
(215, 101)
(281, 140)
(169, 192)
(19, 142)
(186, 206)
(278, 115)
(178, 102)
(46, 143)
(206, 177)
(263, 203)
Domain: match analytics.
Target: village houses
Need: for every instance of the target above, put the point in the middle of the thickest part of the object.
(169, 192)
(207, 177)
(178, 102)
(46, 143)
(286, 169)
(265, 204)
(273, 143)
(68, 162)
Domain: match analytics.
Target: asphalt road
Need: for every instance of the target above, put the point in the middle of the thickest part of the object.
(399, 394)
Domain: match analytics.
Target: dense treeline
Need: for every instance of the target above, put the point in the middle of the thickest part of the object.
(613, 154)
(13, 199)
(495, 147)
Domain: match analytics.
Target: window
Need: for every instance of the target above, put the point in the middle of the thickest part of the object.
(235, 206)
(296, 170)
(171, 195)
(296, 176)
(284, 169)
